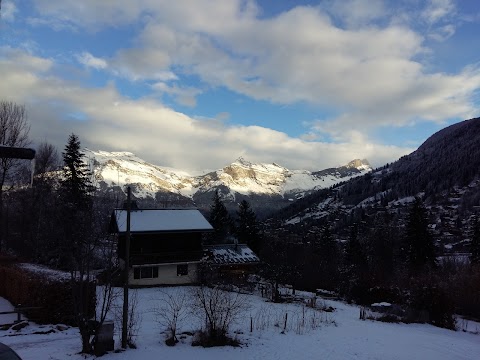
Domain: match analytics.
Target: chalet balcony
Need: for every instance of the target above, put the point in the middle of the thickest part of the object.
(165, 257)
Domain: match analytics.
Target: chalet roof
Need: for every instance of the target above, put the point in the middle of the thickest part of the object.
(160, 220)
(228, 254)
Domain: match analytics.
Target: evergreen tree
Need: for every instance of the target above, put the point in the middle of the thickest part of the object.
(76, 184)
(355, 270)
(220, 219)
(475, 243)
(355, 257)
(381, 248)
(326, 260)
(76, 201)
(80, 238)
(419, 246)
(247, 227)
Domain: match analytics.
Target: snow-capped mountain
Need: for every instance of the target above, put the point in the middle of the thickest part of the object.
(117, 169)
(237, 180)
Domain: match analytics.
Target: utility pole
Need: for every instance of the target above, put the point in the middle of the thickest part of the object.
(126, 274)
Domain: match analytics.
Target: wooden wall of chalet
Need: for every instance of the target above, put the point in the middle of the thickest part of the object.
(162, 247)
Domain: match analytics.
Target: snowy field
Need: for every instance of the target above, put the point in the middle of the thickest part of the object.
(336, 335)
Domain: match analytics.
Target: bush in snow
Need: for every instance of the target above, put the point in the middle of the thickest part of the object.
(219, 309)
(432, 304)
(171, 310)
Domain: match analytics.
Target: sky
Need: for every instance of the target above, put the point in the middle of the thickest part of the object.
(195, 84)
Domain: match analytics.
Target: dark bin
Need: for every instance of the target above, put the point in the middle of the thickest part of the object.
(104, 342)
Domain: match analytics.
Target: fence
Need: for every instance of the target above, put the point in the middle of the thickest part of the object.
(18, 310)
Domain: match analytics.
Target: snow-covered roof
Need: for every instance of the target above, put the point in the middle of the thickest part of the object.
(153, 220)
(229, 254)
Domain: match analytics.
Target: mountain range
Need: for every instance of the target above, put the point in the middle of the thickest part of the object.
(444, 172)
(269, 186)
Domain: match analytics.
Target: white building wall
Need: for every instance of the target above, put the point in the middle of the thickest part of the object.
(167, 275)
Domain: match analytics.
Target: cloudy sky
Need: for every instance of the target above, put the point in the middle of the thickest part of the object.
(194, 84)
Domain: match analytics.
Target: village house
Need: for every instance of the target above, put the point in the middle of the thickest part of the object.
(230, 262)
(165, 244)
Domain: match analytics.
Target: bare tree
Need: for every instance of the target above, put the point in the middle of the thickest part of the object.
(220, 309)
(173, 308)
(46, 159)
(14, 130)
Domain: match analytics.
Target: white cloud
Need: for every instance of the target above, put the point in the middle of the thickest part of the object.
(443, 33)
(91, 61)
(55, 24)
(8, 11)
(368, 71)
(301, 56)
(441, 19)
(356, 13)
(90, 14)
(161, 135)
(184, 95)
(141, 64)
(437, 10)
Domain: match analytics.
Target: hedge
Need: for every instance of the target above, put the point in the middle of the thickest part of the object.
(54, 296)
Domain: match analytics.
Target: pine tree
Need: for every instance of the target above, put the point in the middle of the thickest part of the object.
(76, 192)
(381, 248)
(355, 270)
(76, 184)
(79, 234)
(355, 258)
(475, 243)
(220, 220)
(419, 246)
(247, 227)
(326, 258)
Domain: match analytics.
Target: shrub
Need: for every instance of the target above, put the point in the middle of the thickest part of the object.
(219, 309)
(204, 338)
(53, 296)
(435, 302)
(389, 294)
(465, 289)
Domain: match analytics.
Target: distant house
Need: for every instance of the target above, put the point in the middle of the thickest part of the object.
(231, 262)
(165, 244)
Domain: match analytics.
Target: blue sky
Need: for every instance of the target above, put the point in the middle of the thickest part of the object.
(195, 84)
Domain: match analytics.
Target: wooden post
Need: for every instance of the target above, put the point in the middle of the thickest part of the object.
(19, 315)
(126, 274)
(303, 316)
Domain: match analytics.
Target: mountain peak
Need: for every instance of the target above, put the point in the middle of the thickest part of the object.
(241, 160)
(358, 164)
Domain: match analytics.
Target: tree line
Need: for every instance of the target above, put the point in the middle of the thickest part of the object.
(382, 256)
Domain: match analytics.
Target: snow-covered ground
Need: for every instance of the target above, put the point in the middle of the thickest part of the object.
(338, 335)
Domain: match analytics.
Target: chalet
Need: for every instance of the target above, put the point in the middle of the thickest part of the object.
(165, 244)
(231, 261)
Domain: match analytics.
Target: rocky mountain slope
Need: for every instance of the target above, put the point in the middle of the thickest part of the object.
(444, 171)
(269, 184)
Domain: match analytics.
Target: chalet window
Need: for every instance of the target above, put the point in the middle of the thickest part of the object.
(147, 272)
(182, 270)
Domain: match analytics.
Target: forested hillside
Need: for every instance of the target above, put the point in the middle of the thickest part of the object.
(385, 236)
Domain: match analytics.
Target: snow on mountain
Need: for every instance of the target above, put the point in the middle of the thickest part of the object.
(121, 168)
(240, 177)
